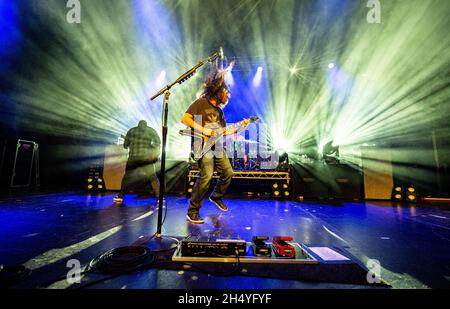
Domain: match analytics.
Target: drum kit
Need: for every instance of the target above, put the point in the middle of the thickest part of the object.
(246, 154)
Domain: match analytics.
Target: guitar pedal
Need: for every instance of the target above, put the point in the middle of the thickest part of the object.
(281, 248)
(260, 248)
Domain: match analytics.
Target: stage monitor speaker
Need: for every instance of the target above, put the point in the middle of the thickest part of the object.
(310, 181)
(377, 169)
(114, 166)
(345, 182)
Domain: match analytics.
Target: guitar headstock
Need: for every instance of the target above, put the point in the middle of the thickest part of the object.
(253, 119)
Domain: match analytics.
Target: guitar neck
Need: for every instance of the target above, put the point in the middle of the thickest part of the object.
(220, 132)
(231, 127)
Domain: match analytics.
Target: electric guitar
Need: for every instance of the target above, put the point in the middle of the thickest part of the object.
(210, 141)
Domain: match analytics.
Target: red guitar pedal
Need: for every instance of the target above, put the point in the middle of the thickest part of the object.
(282, 248)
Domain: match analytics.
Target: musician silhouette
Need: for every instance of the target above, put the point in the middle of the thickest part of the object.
(143, 143)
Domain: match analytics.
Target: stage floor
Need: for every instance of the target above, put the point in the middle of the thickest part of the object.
(44, 231)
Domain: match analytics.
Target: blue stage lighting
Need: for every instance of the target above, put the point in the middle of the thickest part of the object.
(258, 77)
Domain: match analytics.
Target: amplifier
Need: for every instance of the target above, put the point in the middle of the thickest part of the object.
(218, 248)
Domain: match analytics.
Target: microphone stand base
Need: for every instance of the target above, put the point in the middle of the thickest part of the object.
(162, 243)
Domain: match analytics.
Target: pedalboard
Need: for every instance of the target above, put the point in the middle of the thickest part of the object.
(280, 247)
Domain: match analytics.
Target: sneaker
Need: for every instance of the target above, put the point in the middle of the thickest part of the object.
(219, 203)
(194, 218)
(118, 199)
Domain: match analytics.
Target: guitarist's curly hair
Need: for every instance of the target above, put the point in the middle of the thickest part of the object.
(215, 81)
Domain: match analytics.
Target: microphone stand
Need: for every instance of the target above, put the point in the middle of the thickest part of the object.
(160, 243)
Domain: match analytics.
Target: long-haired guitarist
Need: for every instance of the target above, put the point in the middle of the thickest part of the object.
(205, 117)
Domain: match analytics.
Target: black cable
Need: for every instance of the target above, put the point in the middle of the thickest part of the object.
(91, 283)
(115, 267)
(116, 262)
(145, 267)
(153, 264)
(165, 213)
(10, 275)
(123, 259)
(109, 263)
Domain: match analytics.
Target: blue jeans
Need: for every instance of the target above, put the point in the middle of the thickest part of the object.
(207, 165)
